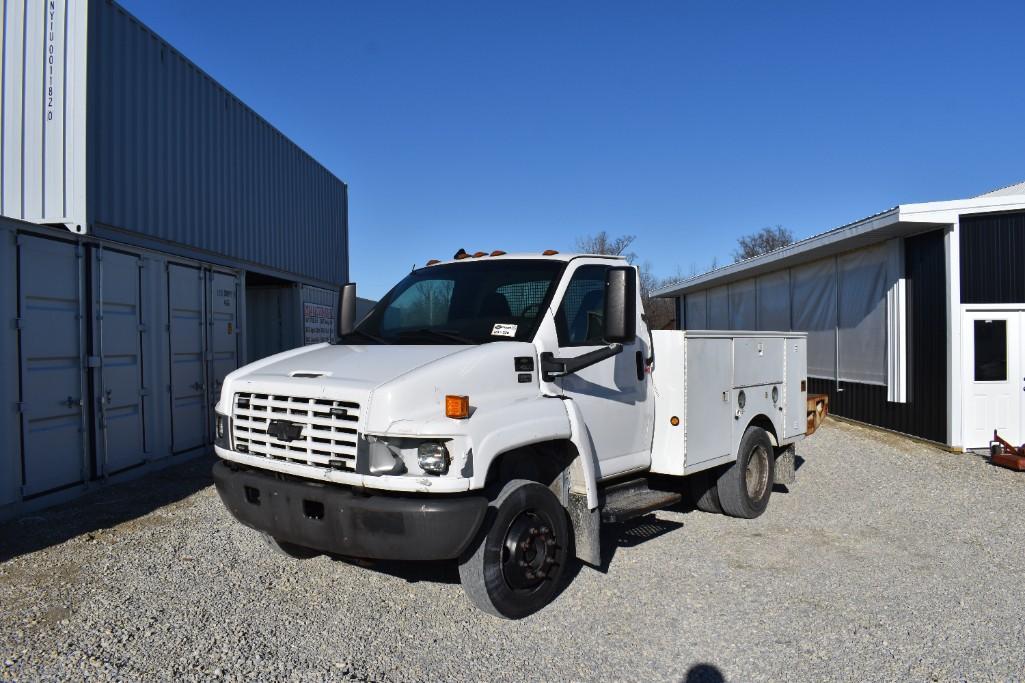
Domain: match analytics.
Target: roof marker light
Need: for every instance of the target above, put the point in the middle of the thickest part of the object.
(498, 252)
(549, 252)
(433, 261)
(461, 254)
(478, 254)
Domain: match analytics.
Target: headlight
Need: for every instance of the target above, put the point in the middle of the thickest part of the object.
(433, 457)
(222, 430)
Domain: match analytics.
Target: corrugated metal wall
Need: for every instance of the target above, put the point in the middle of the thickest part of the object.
(175, 156)
(42, 111)
(992, 254)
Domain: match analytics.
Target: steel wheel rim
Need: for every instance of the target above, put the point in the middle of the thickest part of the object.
(529, 551)
(756, 474)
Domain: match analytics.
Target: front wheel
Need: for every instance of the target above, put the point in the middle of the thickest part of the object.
(522, 552)
(744, 488)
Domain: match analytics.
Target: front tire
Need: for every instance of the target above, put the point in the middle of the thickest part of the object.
(744, 488)
(523, 548)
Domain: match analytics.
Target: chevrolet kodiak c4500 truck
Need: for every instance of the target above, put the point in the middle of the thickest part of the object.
(495, 410)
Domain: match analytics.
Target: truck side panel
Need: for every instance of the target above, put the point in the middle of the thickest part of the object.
(795, 389)
(708, 421)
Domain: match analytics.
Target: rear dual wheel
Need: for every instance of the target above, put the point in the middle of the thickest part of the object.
(522, 551)
(745, 486)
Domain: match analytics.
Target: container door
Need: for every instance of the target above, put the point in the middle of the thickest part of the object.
(51, 364)
(222, 334)
(993, 377)
(118, 344)
(186, 323)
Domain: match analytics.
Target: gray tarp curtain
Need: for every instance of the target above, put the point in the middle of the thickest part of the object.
(743, 305)
(719, 308)
(862, 315)
(839, 301)
(695, 311)
(814, 306)
(774, 301)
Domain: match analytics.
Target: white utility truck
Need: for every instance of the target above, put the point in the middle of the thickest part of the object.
(495, 410)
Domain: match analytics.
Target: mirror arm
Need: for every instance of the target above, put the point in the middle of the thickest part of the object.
(552, 367)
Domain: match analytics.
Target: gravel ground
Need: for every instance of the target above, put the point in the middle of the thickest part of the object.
(887, 560)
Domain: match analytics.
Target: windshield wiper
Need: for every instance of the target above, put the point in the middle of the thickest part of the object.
(450, 335)
(366, 335)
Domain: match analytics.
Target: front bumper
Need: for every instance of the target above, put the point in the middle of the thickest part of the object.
(338, 520)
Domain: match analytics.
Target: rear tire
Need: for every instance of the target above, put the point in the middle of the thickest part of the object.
(744, 488)
(298, 552)
(523, 548)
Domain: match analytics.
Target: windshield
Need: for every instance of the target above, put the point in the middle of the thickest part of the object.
(463, 303)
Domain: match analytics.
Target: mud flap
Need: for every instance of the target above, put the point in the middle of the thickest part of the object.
(786, 472)
(586, 529)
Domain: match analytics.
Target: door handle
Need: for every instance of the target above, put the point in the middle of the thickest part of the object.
(71, 402)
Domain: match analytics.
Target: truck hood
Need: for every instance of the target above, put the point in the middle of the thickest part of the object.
(356, 366)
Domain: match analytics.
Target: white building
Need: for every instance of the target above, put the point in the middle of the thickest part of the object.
(915, 315)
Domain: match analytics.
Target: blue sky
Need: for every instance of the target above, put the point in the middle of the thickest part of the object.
(521, 126)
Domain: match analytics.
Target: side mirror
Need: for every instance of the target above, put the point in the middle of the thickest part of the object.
(346, 308)
(620, 305)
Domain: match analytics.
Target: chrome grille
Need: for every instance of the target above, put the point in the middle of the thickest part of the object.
(327, 439)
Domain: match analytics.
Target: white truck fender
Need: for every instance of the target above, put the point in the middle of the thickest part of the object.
(518, 424)
(586, 460)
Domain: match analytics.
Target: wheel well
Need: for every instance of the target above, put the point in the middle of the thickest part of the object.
(765, 423)
(541, 462)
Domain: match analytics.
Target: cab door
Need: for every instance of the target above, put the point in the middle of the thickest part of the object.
(614, 395)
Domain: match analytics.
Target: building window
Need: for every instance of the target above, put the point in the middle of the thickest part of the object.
(990, 350)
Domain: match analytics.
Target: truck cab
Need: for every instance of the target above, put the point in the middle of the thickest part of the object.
(494, 410)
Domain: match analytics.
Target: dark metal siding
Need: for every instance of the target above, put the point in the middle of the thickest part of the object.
(177, 158)
(992, 254)
(925, 413)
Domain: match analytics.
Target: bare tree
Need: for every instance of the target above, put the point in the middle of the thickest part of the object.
(601, 243)
(762, 242)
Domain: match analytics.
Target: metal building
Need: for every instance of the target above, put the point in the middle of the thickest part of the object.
(915, 315)
(156, 233)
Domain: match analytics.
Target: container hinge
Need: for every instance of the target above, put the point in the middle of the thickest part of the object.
(19, 324)
(92, 362)
(19, 407)
(142, 327)
(144, 392)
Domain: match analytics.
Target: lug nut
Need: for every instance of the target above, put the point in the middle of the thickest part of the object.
(533, 531)
(545, 530)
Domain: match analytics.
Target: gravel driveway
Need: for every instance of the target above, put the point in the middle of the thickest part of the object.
(887, 560)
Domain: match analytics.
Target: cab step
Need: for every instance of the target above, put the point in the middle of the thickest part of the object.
(634, 498)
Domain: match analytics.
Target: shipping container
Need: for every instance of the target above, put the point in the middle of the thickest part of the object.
(156, 233)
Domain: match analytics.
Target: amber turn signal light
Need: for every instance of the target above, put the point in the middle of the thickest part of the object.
(675, 421)
(457, 407)
(549, 252)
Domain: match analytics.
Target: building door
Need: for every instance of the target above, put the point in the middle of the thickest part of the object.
(222, 334)
(994, 383)
(117, 382)
(52, 360)
(186, 330)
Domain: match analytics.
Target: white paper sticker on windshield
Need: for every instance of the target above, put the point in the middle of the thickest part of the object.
(503, 330)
